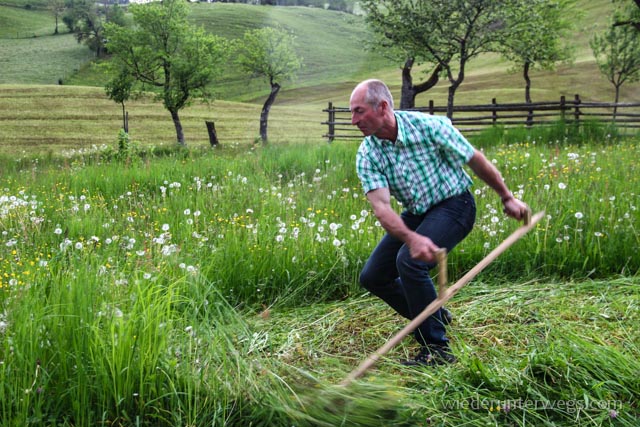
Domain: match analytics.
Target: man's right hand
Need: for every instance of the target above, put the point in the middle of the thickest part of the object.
(422, 248)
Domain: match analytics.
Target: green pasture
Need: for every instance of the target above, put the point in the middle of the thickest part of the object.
(41, 60)
(19, 21)
(70, 119)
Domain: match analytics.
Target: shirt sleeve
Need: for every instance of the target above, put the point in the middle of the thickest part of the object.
(371, 177)
(455, 147)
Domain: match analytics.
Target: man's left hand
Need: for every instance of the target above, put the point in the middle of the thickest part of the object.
(515, 208)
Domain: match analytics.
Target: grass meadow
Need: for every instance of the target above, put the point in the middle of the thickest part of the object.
(219, 287)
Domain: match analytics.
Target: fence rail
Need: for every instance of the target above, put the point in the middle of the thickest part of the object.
(468, 118)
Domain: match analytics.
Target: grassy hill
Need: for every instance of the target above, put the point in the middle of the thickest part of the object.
(331, 43)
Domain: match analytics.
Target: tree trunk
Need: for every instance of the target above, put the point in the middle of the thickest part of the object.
(527, 82)
(455, 83)
(178, 126)
(264, 115)
(527, 90)
(450, 97)
(409, 91)
(125, 125)
(213, 135)
(615, 108)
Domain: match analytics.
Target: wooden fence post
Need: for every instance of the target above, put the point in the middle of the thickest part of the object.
(563, 102)
(494, 112)
(431, 107)
(576, 111)
(331, 122)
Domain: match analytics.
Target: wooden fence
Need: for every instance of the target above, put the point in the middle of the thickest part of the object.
(474, 118)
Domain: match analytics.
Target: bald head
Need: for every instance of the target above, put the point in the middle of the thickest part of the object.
(373, 92)
(371, 107)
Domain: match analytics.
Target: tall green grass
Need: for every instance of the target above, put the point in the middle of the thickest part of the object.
(130, 284)
(261, 221)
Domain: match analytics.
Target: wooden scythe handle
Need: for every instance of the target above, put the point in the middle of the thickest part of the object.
(445, 294)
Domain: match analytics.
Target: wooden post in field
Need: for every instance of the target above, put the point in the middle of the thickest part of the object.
(576, 110)
(494, 112)
(213, 136)
(331, 122)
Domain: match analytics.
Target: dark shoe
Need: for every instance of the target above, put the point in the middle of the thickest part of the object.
(447, 317)
(432, 355)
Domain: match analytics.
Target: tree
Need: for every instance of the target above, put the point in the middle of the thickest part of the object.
(629, 14)
(167, 53)
(385, 43)
(539, 38)
(87, 19)
(268, 53)
(449, 32)
(617, 53)
(57, 8)
(119, 90)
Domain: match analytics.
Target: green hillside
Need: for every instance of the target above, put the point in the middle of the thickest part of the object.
(331, 44)
(37, 114)
(19, 19)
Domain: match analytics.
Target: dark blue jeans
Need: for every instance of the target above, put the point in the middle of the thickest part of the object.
(403, 282)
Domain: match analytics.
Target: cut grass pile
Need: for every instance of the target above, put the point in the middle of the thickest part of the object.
(530, 353)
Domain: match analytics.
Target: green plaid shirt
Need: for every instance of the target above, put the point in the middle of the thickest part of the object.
(423, 167)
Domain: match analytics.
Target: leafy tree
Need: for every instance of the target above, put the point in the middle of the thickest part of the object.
(386, 43)
(268, 53)
(119, 90)
(165, 52)
(539, 37)
(90, 30)
(449, 32)
(87, 19)
(57, 8)
(617, 53)
(629, 14)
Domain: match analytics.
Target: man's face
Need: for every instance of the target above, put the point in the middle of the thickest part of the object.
(363, 115)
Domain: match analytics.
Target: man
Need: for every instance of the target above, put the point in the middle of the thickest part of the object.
(419, 160)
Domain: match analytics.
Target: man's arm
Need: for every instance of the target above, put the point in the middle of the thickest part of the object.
(420, 247)
(486, 171)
